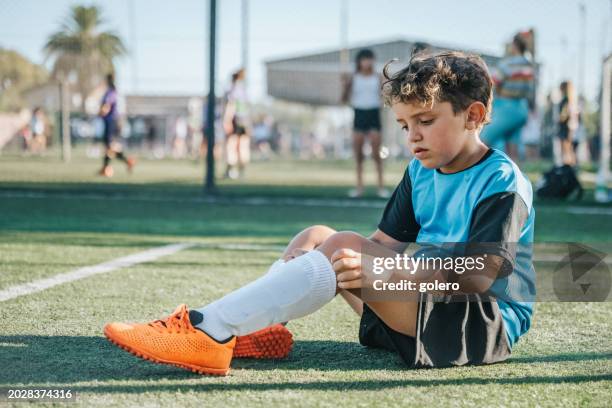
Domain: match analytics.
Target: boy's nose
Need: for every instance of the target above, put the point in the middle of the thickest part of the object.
(414, 136)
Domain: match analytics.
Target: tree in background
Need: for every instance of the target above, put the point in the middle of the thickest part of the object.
(81, 49)
(17, 74)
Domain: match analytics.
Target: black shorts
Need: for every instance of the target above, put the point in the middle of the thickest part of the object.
(366, 120)
(451, 333)
(239, 127)
(110, 130)
(564, 132)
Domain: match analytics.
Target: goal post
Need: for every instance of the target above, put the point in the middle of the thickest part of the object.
(603, 176)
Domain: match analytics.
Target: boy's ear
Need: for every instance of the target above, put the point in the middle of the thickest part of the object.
(475, 115)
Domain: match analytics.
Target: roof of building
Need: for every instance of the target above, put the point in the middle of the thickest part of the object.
(316, 78)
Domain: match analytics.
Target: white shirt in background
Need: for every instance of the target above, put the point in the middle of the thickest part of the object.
(365, 91)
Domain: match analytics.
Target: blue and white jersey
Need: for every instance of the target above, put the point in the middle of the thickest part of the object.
(490, 203)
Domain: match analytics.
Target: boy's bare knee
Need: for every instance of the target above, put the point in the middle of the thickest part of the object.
(316, 230)
(340, 240)
(307, 240)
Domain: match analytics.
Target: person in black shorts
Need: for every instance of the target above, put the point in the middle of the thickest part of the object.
(568, 122)
(237, 126)
(362, 91)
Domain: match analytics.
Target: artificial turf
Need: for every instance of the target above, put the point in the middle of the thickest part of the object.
(57, 217)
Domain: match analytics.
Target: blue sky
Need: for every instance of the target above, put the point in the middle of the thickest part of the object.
(169, 38)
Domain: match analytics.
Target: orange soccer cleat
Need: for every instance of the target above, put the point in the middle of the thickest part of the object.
(272, 342)
(173, 341)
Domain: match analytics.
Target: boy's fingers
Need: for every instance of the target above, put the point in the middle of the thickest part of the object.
(344, 264)
(343, 253)
(352, 284)
(348, 276)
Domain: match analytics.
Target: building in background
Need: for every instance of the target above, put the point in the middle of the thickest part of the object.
(138, 112)
(315, 81)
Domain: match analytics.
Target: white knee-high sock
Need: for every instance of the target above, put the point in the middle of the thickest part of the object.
(288, 291)
(276, 266)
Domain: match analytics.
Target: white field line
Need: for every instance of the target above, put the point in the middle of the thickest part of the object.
(245, 247)
(13, 292)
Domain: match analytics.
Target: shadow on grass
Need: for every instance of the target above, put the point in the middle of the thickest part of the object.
(560, 358)
(70, 359)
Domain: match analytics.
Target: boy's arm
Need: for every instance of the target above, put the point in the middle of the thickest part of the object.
(385, 240)
(495, 228)
(398, 225)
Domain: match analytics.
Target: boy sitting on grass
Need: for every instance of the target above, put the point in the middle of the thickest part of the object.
(457, 190)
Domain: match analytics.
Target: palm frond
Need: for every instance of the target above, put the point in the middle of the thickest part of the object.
(80, 47)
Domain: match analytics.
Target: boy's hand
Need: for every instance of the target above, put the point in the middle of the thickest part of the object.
(347, 265)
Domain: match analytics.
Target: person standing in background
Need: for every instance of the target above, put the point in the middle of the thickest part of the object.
(38, 127)
(108, 113)
(181, 130)
(531, 136)
(362, 91)
(150, 135)
(236, 124)
(514, 82)
(549, 125)
(568, 123)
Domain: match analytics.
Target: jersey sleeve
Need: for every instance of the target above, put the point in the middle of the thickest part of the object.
(398, 220)
(110, 98)
(496, 225)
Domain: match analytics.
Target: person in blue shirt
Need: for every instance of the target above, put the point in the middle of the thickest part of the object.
(464, 297)
(514, 79)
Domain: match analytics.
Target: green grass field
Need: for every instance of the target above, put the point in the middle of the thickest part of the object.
(56, 217)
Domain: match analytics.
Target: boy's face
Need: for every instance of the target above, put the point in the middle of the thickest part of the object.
(436, 135)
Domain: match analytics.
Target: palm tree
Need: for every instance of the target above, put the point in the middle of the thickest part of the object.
(81, 49)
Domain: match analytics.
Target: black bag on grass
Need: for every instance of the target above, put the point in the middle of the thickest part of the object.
(559, 182)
